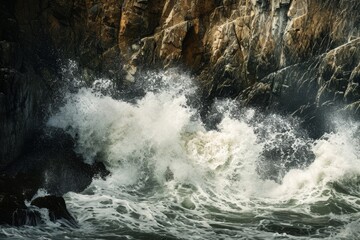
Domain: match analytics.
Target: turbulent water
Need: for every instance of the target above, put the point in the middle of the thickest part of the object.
(250, 176)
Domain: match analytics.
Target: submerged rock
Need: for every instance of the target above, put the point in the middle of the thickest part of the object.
(13, 211)
(56, 207)
(14, 191)
(51, 164)
(169, 175)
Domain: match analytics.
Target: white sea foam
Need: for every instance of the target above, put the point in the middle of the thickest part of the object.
(336, 159)
(139, 142)
(161, 130)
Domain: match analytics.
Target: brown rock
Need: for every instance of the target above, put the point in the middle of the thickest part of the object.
(231, 46)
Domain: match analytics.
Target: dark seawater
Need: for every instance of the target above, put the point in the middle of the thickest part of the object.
(251, 177)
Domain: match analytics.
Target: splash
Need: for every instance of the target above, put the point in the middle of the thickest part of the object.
(170, 173)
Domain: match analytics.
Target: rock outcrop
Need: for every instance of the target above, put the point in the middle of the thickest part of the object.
(297, 56)
(56, 207)
(13, 210)
(252, 49)
(34, 37)
(15, 213)
(294, 55)
(52, 165)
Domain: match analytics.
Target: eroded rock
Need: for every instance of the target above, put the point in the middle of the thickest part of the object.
(234, 45)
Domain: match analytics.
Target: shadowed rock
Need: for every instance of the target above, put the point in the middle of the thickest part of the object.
(51, 164)
(57, 208)
(14, 212)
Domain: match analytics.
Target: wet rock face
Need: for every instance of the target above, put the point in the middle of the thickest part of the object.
(20, 89)
(249, 49)
(13, 193)
(51, 164)
(234, 47)
(34, 35)
(82, 30)
(14, 212)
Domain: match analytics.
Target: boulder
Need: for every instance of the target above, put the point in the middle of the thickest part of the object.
(51, 163)
(13, 193)
(14, 212)
(56, 207)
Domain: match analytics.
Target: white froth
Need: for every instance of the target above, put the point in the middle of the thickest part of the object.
(336, 158)
(160, 132)
(140, 142)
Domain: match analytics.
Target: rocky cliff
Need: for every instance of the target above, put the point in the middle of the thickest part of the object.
(300, 56)
(35, 36)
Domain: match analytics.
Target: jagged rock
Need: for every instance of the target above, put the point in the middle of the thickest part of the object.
(231, 46)
(258, 94)
(56, 207)
(51, 163)
(14, 212)
(171, 45)
(13, 192)
(255, 38)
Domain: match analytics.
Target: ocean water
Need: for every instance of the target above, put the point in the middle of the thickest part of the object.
(252, 176)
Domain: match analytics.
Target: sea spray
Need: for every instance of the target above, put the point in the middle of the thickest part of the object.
(253, 176)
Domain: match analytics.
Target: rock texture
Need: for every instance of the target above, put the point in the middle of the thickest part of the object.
(56, 207)
(299, 56)
(259, 50)
(34, 36)
(50, 164)
(18, 98)
(13, 211)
